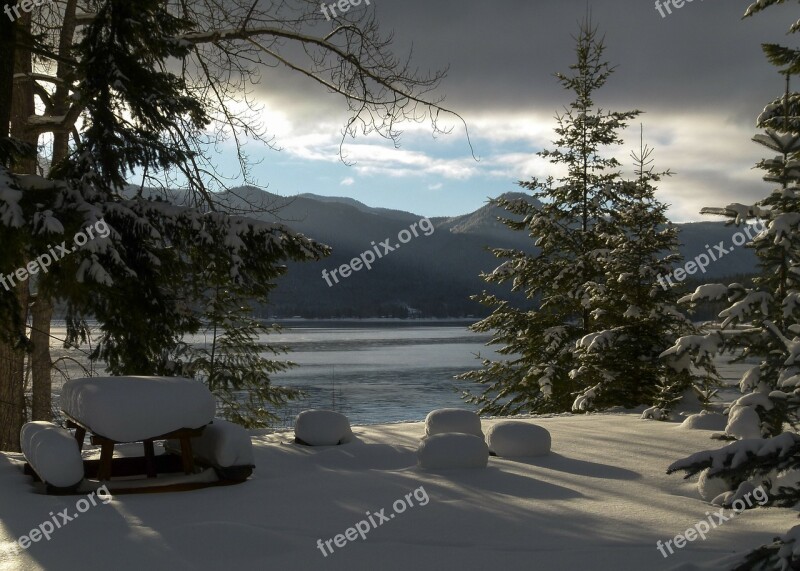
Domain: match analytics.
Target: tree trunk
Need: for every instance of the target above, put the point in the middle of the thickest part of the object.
(42, 310)
(11, 362)
(8, 38)
(12, 375)
(41, 362)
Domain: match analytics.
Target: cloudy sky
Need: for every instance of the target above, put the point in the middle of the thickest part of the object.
(698, 74)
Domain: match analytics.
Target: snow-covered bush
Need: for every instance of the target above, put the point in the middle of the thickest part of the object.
(322, 428)
(446, 420)
(711, 487)
(515, 438)
(451, 451)
(705, 420)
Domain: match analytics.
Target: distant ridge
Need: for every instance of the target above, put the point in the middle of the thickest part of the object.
(430, 276)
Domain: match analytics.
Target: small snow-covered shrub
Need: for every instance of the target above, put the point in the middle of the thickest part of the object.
(705, 420)
(446, 420)
(53, 454)
(711, 487)
(743, 421)
(453, 450)
(655, 413)
(322, 428)
(514, 438)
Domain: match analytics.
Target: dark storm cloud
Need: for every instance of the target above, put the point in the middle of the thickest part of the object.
(698, 74)
(502, 54)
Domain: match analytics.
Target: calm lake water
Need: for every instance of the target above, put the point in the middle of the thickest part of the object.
(372, 371)
(379, 372)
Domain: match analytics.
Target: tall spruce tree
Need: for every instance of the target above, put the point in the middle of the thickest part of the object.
(765, 323)
(636, 320)
(567, 220)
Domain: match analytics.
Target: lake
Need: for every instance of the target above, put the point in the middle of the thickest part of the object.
(376, 372)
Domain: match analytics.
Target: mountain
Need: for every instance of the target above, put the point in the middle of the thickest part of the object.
(430, 275)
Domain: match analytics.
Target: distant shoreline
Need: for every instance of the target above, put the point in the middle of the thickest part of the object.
(371, 321)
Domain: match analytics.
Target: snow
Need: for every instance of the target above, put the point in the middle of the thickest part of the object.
(512, 438)
(128, 409)
(222, 444)
(446, 420)
(742, 309)
(785, 226)
(52, 453)
(584, 401)
(743, 422)
(709, 292)
(654, 413)
(710, 487)
(451, 451)
(603, 498)
(10, 195)
(704, 345)
(322, 428)
(750, 379)
(739, 453)
(705, 420)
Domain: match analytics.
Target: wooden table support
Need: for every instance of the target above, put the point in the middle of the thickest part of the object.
(105, 468)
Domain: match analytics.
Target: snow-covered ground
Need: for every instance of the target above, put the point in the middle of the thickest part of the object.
(599, 501)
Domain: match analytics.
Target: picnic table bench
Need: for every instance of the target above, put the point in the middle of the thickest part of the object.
(117, 410)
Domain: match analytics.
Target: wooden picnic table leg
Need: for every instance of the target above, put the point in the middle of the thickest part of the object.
(106, 456)
(149, 459)
(186, 454)
(80, 435)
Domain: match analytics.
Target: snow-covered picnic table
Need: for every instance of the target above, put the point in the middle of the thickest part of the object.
(115, 410)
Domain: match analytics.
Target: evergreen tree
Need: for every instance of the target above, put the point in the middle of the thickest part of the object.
(764, 319)
(767, 316)
(233, 361)
(567, 221)
(635, 313)
(233, 364)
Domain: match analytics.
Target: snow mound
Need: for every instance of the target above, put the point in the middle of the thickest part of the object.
(746, 495)
(53, 453)
(654, 413)
(446, 420)
(705, 420)
(711, 487)
(512, 438)
(129, 409)
(222, 444)
(743, 422)
(322, 428)
(453, 450)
